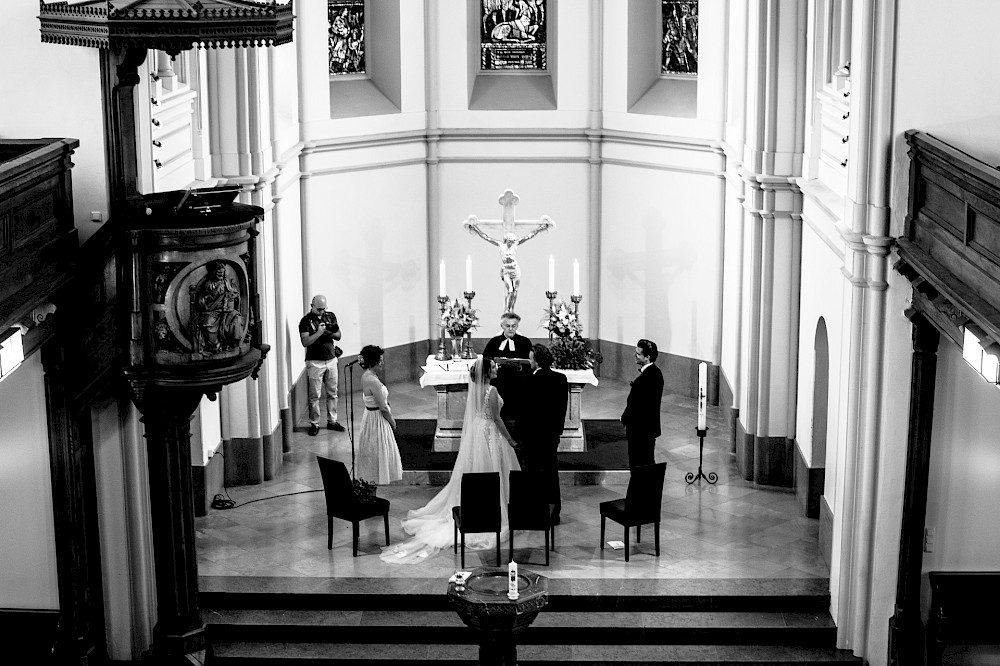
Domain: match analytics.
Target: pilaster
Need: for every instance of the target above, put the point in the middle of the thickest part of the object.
(868, 242)
(240, 115)
(771, 153)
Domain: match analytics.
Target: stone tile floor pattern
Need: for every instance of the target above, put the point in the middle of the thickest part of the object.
(731, 530)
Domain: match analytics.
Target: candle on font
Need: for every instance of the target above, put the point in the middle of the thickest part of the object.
(576, 277)
(468, 274)
(441, 280)
(552, 273)
(702, 396)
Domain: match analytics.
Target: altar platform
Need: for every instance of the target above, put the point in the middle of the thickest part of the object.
(450, 381)
(732, 530)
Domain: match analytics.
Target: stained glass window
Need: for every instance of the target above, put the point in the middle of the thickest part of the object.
(347, 36)
(680, 38)
(513, 35)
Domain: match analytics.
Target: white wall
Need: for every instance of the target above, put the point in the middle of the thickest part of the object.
(659, 264)
(964, 488)
(954, 97)
(823, 287)
(28, 572)
(68, 104)
(368, 254)
(206, 432)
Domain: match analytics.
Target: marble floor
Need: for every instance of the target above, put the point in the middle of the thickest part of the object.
(729, 530)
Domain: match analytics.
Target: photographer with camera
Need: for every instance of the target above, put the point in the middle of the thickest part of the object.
(319, 332)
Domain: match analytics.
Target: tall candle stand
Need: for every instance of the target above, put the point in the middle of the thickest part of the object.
(551, 295)
(691, 477)
(467, 347)
(442, 354)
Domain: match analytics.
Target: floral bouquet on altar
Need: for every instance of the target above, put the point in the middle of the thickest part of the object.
(574, 354)
(570, 350)
(458, 319)
(561, 321)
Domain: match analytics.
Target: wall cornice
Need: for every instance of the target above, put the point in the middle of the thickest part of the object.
(583, 138)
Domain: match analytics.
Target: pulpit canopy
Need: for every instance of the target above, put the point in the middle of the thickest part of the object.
(167, 25)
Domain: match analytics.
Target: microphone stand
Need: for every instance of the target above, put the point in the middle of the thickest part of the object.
(349, 378)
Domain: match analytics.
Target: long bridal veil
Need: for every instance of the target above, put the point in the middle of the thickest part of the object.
(481, 449)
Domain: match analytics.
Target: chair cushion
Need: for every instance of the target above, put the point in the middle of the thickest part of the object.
(530, 517)
(361, 510)
(613, 509)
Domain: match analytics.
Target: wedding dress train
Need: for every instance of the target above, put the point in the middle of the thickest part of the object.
(482, 449)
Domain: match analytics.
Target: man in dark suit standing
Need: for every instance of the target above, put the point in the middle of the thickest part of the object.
(510, 374)
(641, 417)
(541, 419)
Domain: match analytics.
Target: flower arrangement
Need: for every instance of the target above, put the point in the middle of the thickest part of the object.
(574, 354)
(458, 319)
(562, 321)
(570, 350)
(364, 490)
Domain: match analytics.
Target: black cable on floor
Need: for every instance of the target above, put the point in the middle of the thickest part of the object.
(219, 501)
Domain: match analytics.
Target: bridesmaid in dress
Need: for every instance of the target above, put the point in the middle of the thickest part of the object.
(378, 455)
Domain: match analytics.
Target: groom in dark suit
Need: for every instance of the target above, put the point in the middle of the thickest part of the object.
(540, 422)
(641, 417)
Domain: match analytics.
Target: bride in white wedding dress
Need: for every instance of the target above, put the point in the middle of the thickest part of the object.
(486, 446)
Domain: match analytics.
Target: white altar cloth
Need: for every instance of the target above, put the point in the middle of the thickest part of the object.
(456, 371)
(450, 380)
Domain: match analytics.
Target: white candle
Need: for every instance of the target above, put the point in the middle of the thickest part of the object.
(552, 273)
(468, 273)
(576, 277)
(512, 592)
(702, 395)
(441, 281)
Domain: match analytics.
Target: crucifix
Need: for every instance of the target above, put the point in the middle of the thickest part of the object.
(510, 271)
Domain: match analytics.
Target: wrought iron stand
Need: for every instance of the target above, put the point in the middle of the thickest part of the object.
(691, 477)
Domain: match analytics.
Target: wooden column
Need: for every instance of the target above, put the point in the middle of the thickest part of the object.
(906, 645)
(167, 416)
(74, 509)
(119, 76)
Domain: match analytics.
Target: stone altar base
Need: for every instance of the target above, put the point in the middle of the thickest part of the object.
(451, 399)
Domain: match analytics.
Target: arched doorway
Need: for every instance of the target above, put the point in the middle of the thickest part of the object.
(821, 391)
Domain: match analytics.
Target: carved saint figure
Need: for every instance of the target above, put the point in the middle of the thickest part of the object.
(216, 320)
(510, 270)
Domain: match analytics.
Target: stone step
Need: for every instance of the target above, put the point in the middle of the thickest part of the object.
(665, 628)
(565, 594)
(315, 654)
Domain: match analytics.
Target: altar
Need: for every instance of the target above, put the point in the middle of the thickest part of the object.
(451, 381)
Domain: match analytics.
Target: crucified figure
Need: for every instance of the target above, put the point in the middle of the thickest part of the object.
(510, 270)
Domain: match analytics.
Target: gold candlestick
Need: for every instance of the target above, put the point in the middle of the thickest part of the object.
(576, 304)
(551, 295)
(442, 354)
(467, 347)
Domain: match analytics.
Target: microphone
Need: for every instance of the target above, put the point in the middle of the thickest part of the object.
(354, 362)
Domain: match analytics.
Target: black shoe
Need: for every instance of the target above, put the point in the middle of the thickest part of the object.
(313, 430)
(335, 426)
